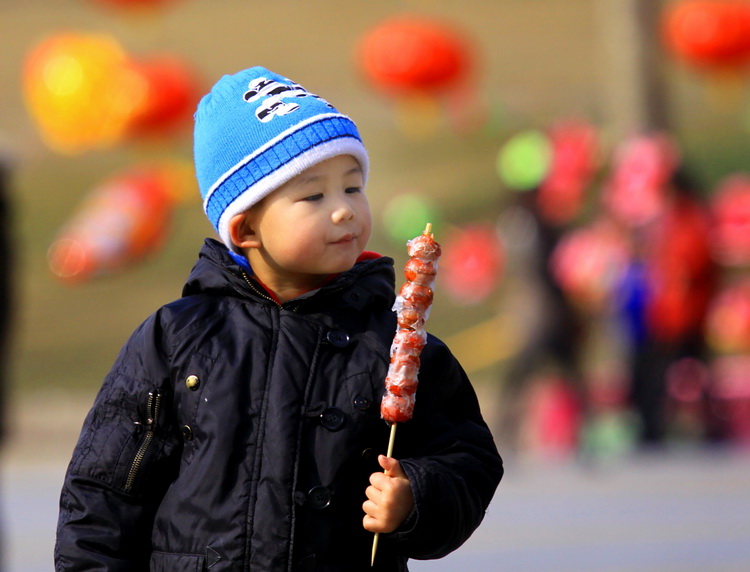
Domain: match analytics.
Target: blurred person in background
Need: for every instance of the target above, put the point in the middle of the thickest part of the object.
(6, 289)
(546, 369)
(6, 298)
(663, 301)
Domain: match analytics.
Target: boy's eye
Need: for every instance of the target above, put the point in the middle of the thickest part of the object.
(315, 197)
(353, 190)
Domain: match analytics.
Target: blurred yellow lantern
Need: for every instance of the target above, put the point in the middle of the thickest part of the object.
(72, 87)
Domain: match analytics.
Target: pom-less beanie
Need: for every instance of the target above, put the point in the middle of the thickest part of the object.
(256, 130)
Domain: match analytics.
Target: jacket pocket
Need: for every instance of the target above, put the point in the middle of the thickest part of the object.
(170, 562)
(149, 424)
(121, 436)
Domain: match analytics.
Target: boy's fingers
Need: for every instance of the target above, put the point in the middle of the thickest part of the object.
(392, 467)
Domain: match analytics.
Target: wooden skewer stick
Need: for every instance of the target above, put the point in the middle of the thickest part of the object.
(389, 453)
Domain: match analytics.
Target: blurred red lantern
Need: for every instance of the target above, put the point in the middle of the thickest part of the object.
(70, 86)
(588, 263)
(165, 92)
(121, 221)
(709, 34)
(642, 169)
(409, 54)
(731, 212)
(574, 150)
(728, 320)
(472, 263)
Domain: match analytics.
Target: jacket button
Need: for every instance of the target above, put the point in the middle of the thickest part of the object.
(337, 338)
(187, 433)
(318, 498)
(332, 419)
(192, 382)
(361, 403)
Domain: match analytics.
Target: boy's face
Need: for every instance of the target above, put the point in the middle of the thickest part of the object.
(314, 225)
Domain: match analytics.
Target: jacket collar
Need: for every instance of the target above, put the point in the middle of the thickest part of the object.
(217, 272)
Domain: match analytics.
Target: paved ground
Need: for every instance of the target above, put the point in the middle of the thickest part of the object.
(686, 511)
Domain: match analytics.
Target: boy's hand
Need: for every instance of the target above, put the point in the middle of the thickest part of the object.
(389, 497)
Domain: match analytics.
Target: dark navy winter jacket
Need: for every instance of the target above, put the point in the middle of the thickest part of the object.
(237, 434)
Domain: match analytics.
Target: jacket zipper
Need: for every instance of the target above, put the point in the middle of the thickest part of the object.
(154, 400)
(292, 306)
(257, 290)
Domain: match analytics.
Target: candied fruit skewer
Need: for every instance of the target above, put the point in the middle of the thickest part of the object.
(412, 308)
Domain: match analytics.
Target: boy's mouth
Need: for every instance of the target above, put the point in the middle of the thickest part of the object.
(344, 239)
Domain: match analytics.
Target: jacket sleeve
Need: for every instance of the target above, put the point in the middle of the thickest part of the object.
(450, 457)
(121, 465)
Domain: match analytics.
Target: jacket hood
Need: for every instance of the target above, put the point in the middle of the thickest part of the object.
(217, 273)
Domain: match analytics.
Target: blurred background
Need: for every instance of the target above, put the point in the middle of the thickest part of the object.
(585, 165)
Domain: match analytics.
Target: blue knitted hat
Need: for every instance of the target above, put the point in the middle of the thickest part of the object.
(256, 130)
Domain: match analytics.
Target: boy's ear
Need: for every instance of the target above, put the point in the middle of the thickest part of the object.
(242, 233)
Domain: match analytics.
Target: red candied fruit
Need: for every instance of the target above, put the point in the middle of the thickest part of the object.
(410, 319)
(416, 296)
(397, 408)
(420, 271)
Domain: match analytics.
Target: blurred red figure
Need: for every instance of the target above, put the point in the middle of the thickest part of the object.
(681, 272)
(728, 322)
(730, 204)
(472, 263)
(123, 220)
(667, 300)
(642, 169)
(574, 161)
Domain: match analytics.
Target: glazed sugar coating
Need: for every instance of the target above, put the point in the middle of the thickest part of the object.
(397, 408)
(407, 342)
(404, 366)
(401, 387)
(424, 247)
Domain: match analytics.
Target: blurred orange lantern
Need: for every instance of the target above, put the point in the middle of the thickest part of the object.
(709, 34)
(70, 89)
(134, 4)
(165, 92)
(730, 205)
(121, 221)
(410, 54)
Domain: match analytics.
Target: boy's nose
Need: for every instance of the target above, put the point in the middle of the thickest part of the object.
(343, 212)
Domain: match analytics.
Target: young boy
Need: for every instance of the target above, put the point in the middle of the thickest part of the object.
(239, 428)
